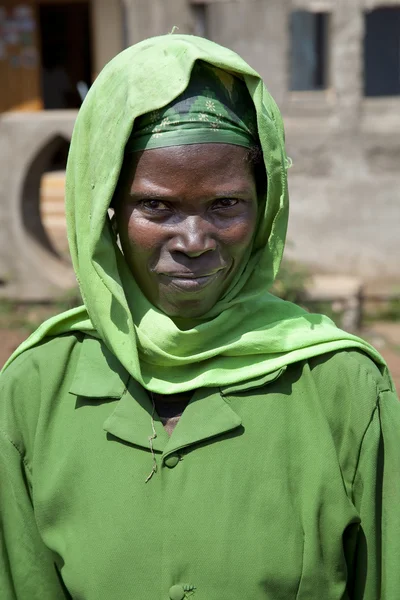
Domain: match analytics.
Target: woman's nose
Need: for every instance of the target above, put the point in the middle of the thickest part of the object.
(193, 237)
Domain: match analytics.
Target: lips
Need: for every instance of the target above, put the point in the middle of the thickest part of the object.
(189, 275)
(190, 281)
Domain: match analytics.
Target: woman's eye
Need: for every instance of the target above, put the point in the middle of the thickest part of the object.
(154, 205)
(225, 203)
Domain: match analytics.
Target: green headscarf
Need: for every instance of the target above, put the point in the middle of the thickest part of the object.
(214, 108)
(248, 333)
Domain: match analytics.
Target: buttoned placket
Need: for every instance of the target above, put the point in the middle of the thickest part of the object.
(207, 417)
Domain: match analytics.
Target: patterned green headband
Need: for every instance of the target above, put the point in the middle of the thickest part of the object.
(215, 108)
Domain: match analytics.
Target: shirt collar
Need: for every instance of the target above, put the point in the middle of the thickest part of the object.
(98, 374)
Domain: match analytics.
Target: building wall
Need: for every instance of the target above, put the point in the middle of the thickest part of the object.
(107, 28)
(345, 202)
(21, 49)
(345, 147)
(147, 18)
(29, 267)
(234, 24)
(344, 184)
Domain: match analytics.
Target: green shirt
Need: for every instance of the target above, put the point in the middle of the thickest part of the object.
(287, 486)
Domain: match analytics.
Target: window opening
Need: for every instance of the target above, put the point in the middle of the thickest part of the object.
(309, 50)
(65, 53)
(382, 52)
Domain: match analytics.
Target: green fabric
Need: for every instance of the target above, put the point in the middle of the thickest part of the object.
(249, 332)
(214, 108)
(286, 488)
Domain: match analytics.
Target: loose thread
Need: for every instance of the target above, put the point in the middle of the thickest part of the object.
(151, 439)
(175, 28)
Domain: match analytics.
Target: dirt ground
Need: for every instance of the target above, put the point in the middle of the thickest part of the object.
(385, 336)
(17, 321)
(10, 340)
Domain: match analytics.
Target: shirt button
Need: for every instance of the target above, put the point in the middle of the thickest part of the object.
(177, 592)
(171, 461)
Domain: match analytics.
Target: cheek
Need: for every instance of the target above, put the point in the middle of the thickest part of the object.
(139, 234)
(138, 241)
(238, 236)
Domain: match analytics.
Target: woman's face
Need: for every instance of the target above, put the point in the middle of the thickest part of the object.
(185, 220)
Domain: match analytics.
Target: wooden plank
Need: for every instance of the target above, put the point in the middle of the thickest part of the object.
(52, 209)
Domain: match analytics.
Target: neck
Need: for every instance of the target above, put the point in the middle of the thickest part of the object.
(180, 397)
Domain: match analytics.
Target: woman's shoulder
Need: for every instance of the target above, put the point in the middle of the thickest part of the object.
(349, 388)
(350, 369)
(43, 358)
(35, 377)
(349, 384)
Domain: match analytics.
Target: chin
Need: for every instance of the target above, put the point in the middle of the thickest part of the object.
(186, 310)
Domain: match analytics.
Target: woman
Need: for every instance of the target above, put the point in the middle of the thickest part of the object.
(185, 433)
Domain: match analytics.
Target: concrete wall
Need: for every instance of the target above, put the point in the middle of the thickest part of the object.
(147, 18)
(108, 31)
(345, 214)
(345, 199)
(254, 29)
(29, 267)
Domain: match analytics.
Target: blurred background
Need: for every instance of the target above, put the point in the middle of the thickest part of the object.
(332, 65)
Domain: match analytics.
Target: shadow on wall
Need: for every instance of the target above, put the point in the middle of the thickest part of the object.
(42, 200)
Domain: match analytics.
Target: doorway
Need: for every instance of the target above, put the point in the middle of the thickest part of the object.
(66, 53)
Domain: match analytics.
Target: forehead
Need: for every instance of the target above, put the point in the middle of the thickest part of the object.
(211, 166)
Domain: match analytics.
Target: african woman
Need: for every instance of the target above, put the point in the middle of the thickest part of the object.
(186, 434)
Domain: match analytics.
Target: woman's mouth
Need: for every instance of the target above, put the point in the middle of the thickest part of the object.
(190, 282)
